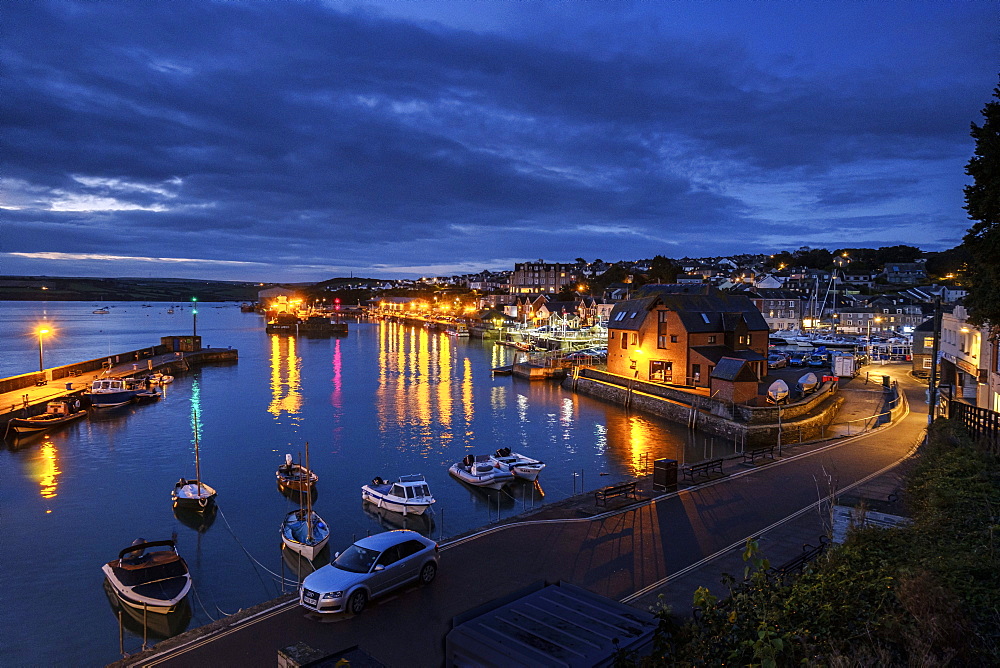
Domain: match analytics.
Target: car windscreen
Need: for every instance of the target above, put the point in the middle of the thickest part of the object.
(356, 559)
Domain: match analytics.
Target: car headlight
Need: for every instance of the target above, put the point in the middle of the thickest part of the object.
(332, 595)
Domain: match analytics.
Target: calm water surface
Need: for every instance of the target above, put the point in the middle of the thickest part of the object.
(388, 399)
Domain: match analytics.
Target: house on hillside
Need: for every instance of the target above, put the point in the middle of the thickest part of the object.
(680, 338)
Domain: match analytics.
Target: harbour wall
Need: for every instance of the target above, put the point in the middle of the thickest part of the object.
(751, 426)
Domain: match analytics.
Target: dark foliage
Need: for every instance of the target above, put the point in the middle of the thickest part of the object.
(982, 201)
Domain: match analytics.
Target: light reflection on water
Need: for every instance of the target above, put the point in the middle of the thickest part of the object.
(389, 399)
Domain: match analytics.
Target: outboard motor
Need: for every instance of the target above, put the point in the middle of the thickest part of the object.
(288, 462)
(468, 460)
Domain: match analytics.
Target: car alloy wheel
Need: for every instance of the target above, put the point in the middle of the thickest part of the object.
(357, 602)
(428, 572)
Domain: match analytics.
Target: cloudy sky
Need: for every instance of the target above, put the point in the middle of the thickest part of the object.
(305, 140)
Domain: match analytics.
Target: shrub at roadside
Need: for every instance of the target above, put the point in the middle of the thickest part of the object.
(926, 594)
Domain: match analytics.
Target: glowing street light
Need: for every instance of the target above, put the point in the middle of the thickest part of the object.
(194, 316)
(876, 319)
(41, 331)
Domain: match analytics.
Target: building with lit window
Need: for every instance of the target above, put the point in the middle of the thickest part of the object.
(544, 277)
(680, 338)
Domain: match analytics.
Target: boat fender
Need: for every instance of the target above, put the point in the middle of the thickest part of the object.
(203, 501)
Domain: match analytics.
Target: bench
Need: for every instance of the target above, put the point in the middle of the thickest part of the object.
(798, 564)
(706, 468)
(758, 453)
(601, 496)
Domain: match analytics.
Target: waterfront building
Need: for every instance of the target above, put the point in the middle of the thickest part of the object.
(782, 309)
(679, 338)
(544, 277)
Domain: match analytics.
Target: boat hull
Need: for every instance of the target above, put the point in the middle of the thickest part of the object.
(495, 480)
(111, 399)
(294, 530)
(382, 500)
(38, 423)
(189, 495)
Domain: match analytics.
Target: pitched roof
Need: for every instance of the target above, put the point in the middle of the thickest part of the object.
(631, 313)
(715, 354)
(733, 369)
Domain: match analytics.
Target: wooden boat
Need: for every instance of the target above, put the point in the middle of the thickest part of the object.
(147, 579)
(57, 412)
(295, 477)
(408, 495)
(303, 531)
(193, 495)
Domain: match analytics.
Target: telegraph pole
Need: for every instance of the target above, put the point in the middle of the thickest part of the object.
(932, 393)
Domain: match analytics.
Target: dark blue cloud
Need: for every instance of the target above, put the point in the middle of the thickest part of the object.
(311, 140)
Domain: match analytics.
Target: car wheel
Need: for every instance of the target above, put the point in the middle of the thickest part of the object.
(428, 573)
(357, 602)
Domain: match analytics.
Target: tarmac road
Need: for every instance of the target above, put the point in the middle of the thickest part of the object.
(645, 548)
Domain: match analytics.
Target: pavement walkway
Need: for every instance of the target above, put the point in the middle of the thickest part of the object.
(665, 545)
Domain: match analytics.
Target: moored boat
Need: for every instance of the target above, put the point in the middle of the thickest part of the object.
(193, 495)
(479, 471)
(521, 466)
(57, 412)
(109, 392)
(409, 495)
(147, 579)
(295, 477)
(305, 532)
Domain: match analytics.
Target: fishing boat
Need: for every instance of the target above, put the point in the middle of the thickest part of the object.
(294, 477)
(303, 531)
(109, 392)
(460, 331)
(193, 495)
(57, 412)
(479, 471)
(521, 466)
(408, 495)
(101, 311)
(149, 579)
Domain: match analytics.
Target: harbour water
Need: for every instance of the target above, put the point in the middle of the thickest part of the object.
(386, 400)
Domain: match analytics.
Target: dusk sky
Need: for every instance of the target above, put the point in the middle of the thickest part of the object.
(294, 141)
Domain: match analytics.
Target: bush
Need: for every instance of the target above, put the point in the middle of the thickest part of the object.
(926, 594)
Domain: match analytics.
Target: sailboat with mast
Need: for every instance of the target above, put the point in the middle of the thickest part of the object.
(304, 531)
(193, 495)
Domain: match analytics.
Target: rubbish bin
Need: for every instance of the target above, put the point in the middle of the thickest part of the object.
(885, 381)
(665, 475)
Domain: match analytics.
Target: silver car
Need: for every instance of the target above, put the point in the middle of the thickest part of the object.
(369, 568)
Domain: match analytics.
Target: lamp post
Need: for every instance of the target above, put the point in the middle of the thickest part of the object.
(194, 316)
(877, 319)
(41, 364)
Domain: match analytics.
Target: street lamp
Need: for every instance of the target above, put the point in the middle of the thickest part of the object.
(41, 332)
(194, 316)
(876, 319)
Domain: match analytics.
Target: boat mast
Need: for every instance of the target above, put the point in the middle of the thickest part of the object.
(309, 526)
(197, 457)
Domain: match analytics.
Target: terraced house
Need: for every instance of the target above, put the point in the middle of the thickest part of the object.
(680, 338)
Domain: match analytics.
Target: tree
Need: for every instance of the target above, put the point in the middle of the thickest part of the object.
(982, 202)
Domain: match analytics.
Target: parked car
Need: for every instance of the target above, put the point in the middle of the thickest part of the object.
(819, 359)
(370, 567)
(798, 359)
(776, 361)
